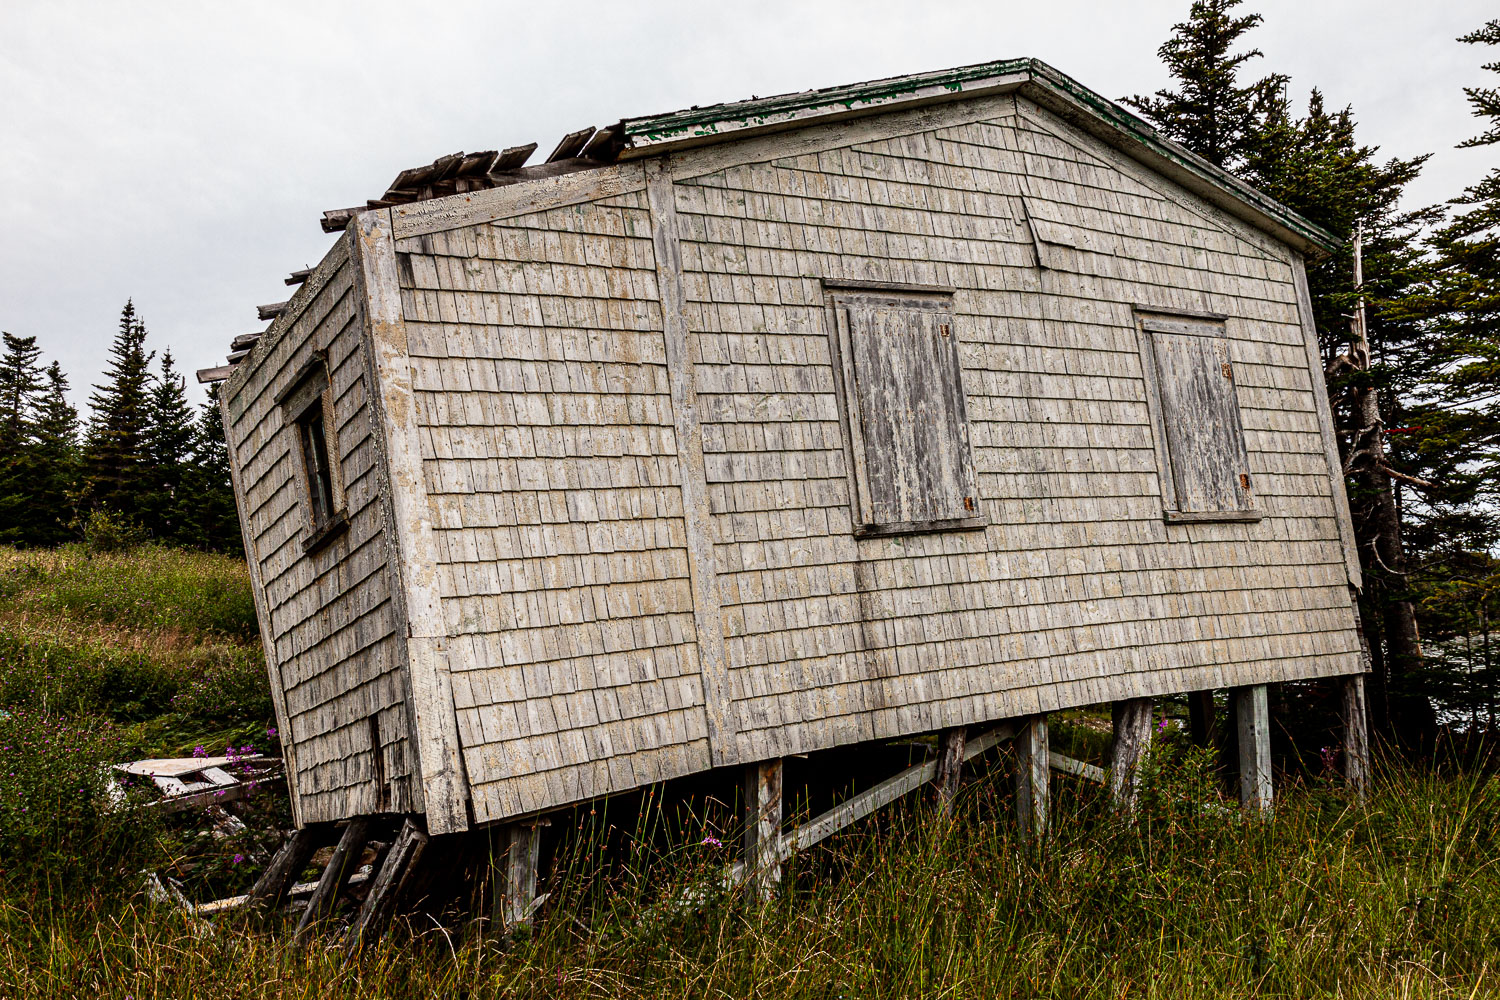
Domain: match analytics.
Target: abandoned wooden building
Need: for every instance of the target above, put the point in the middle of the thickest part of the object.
(914, 406)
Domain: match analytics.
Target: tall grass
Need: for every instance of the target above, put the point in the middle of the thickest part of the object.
(1399, 897)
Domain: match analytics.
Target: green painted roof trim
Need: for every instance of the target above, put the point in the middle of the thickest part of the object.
(1049, 87)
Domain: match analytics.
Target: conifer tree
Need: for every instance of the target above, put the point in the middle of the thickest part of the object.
(52, 480)
(1209, 113)
(211, 519)
(115, 463)
(169, 436)
(20, 386)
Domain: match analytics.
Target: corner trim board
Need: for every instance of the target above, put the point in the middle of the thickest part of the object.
(1325, 423)
(411, 545)
(708, 619)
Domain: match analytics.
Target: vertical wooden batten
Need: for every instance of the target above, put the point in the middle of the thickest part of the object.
(434, 722)
(697, 521)
(1325, 423)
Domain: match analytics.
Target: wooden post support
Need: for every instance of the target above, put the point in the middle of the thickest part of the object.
(381, 902)
(950, 764)
(1203, 721)
(340, 866)
(1356, 735)
(1253, 728)
(1132, 726)
(763, 827)
(271, 889)
(521, 843)
(1033, 771)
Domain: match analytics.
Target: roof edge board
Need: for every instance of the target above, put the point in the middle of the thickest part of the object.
(679, 130)
(1121, 130)
(1043, 84)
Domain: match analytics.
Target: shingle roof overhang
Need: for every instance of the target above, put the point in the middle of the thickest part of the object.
(1033, 79)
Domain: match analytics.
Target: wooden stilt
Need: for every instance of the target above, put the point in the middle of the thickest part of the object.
(270, 890)
(950, 764)
(763, 827)
(1033, 771)
(1253, 729)
(521, 843)
(391, 877)
(340, 866)
(1132, 725)
(1356, 734)
(1203, 719)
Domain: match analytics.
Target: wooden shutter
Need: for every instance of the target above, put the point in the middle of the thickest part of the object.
(1199, 418)
(909, 430)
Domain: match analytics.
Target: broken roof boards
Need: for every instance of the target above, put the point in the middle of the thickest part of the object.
(803, 422)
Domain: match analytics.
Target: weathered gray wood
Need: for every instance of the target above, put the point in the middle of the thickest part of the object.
(271, 310)
(1253, 728)
(949, 767)
(913, 460)
(380, 904)
(340, 866)
(1201, 417)
(1326, 428)
(1033, 777)
(271, 888)
(1078, 768)
(521, 846)
(1132, 741)
(763, 827)
(429, 683)
(1355, 715)
(536, 195)
(571, 144)
(697, 521)
(207, 376)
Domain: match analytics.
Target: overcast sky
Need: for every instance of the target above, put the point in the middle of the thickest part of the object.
(182, 155)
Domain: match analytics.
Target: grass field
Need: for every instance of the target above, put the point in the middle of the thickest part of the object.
(153, 652)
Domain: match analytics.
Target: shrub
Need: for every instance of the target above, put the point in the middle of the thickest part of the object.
(56, 824)
(105, 530)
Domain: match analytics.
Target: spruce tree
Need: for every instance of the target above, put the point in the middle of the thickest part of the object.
(210, 518)
(169, 438)
(1209, 112)
(1461, 422)
(53, 479)
(20, 386)
(115, 461)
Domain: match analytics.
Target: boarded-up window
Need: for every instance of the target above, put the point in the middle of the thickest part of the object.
(1195, 409)
(911, 457)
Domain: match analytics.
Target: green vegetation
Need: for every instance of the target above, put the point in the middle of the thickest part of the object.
(114, 656)
(109, 656)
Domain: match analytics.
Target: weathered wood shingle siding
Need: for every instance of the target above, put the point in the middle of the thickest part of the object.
(331, 626)
(1078, 591)
(550, 468)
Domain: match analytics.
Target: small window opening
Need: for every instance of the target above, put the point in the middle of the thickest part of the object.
(315, 455)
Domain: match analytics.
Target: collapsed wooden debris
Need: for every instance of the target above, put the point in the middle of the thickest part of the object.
(184, 783)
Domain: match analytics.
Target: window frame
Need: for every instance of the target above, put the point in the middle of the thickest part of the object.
(307, 408)
(839, 296)
(1151, 324)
